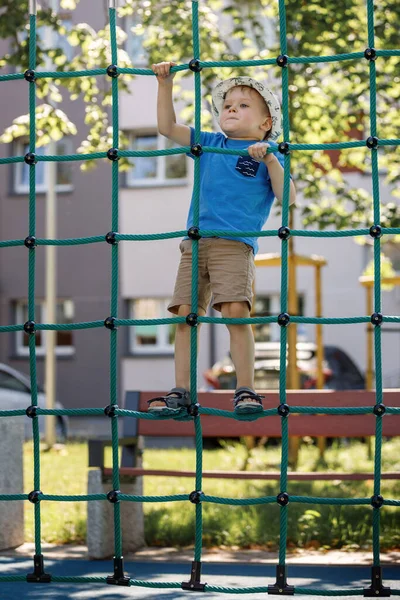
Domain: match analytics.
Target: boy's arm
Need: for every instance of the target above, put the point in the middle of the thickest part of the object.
(166, 118)
(258, 151)
(275, 171)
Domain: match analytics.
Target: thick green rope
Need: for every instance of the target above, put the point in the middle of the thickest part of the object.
(116, 412)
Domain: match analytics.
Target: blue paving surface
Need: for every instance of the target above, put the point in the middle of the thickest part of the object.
(221, 574)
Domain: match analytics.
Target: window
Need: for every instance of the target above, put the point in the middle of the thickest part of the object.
(266, 306)
(134, 42)
(50, 39)
(156, 170)
(64, 169)
(64, 339)
(151, 339)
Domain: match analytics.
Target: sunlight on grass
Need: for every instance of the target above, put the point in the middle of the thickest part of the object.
(65, 472)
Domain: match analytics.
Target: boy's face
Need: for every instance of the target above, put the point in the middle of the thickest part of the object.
(245, 115)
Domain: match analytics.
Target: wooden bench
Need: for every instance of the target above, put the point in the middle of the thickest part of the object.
(349, 426)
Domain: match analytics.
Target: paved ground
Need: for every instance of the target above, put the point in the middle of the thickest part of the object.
(332, 571)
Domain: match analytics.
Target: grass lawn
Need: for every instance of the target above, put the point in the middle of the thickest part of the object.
(64, 471)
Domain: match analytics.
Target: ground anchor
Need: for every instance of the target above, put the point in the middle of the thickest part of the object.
(376, 589)
(194, 584)
(38, 575)
(281, 587)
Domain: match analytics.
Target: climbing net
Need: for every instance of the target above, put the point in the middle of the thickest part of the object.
(111, 323)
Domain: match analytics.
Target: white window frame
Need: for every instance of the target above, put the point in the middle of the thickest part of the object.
(162, 346)
(160, 180)
(23, 189)
(22, 350)
(275, 309)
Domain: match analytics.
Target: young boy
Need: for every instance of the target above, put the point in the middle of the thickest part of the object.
(236, 194)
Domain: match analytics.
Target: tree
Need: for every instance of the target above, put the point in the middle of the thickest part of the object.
(92, 51)
(328, 102)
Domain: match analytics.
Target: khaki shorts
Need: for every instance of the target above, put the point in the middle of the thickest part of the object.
(226, 271)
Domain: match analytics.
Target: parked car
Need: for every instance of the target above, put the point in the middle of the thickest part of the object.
(15, 393)
(339, 371)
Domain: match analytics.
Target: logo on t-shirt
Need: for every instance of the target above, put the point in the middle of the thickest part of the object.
(247, 166)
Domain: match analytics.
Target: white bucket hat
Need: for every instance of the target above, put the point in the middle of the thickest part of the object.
(222, 88)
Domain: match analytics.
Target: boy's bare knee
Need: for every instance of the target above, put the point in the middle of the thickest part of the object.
(235, 310)
(183, 311)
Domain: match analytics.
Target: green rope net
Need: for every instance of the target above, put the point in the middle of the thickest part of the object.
(111, 323)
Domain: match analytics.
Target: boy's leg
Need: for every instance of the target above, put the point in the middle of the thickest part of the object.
(182, 353)
(241, 343)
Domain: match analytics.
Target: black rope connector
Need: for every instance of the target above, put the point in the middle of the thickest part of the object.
(281, 587)
(283, 148)
(31, 411)
(194, 65)
(30, 75)
(377, 501)
(194, 233)
(38, 575)
(109, 410)
(110, 238)
(370, 53)
(194, 584)
(372, 141)
(110, 323)
(34, 496)
(375, 231)
(376, 318)
(112, 154)
(112, 71)
(29, 327)
(283, 498)
(376, 589)
(379, 409)
(191, 319)
(282, 60)
(112, 496)
(284, 233)
(193, 409)
(119, 578)
(195, 497)
(30, 158)
(283, 410)
(283, 319)
(196, 149)
(30, 242)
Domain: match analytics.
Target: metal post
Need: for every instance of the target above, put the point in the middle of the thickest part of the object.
(293, 374)
(32, 7)
(369, 380)
(318, 327)
(113, 3)
(51, 288)
(51, 295)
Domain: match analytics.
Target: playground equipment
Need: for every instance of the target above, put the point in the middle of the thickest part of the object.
(368, 283)
(294, 261)
(284, 319)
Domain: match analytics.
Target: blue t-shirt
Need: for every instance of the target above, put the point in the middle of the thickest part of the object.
(235, 191)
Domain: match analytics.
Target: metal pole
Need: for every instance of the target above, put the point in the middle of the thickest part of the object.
(51, 291)
(369, 380)
(113, 3)
(51, 295)
(318, 327)
(32, 7)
